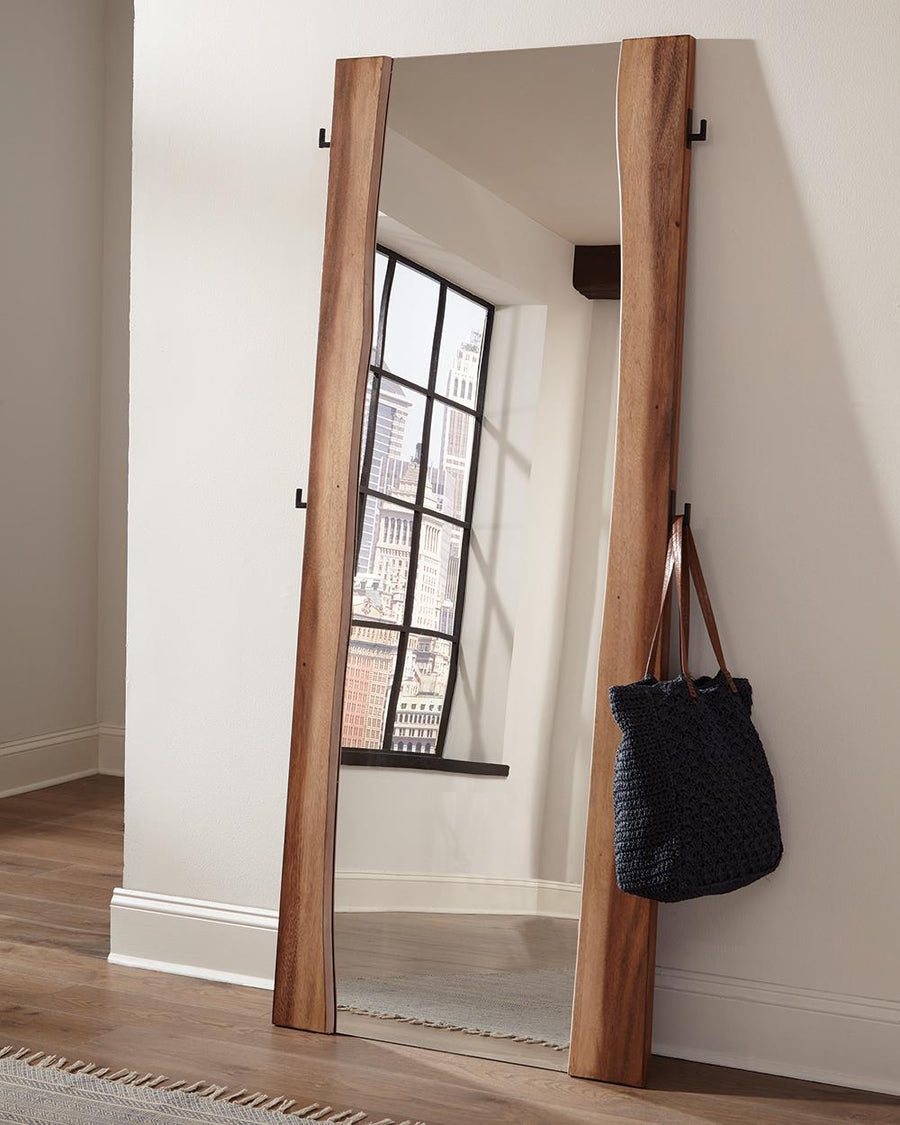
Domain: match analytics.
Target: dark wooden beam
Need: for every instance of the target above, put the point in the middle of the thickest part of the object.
(597, 272)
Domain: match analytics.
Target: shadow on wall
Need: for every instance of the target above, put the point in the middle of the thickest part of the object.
(559, 847)
(801, 563)
(502, 493)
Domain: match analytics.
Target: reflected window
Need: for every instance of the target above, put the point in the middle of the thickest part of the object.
(421, 428)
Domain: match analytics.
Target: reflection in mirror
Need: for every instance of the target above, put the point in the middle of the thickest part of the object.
(485, 484)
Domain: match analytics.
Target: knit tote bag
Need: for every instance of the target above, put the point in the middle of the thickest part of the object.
(693, 794)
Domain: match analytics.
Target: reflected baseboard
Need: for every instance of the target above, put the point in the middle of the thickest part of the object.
(385, 891)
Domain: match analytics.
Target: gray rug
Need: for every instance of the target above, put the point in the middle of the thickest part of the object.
(37, 1089)
(528, 1007)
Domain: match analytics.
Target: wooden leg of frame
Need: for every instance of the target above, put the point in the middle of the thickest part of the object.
(612, 1016)
(304, 972)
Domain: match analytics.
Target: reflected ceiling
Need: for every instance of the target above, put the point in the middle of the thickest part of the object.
(537, 128)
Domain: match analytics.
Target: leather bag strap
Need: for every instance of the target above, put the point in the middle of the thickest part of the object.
(683, 561)
(706, 607)
(674, 565)
(667, 581)
(683, 589)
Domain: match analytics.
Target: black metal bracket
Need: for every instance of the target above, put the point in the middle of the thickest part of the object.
(327, 144)
(299, 502)
(686, 515)
(691, 135)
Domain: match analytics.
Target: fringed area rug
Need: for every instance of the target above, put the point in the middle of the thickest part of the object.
(38, 1089)
(526, 1007)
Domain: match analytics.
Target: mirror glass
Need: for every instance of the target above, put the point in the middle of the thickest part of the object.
(485, 486)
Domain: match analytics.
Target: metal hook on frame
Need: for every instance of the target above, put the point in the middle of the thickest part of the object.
(686, 515)
(327, 144)
(691, 135)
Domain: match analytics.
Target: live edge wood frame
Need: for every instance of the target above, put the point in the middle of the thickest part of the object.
(612, 1013)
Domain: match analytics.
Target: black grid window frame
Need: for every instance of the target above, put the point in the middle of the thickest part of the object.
(387, 756)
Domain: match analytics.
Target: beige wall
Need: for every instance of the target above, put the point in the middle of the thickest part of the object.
(51, 70)
(61, 382)
(788, 454)
(116, 276)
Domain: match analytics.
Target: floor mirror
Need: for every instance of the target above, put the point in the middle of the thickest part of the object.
(493, 457)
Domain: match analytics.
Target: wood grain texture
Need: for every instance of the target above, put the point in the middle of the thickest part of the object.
(59, 994)
(304, 978)
(612, 1015)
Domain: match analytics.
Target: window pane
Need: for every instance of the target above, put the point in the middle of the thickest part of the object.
(371, 660)
(379, 584)
(412, 314)
(380, 271)
(398, 441)
(437, 575)
(462, 339)
(449, 460)
(390, 605)
(422, 692)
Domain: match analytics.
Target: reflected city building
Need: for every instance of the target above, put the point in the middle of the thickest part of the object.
(416, 466)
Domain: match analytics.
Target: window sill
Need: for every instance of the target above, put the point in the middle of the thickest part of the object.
(400, 760)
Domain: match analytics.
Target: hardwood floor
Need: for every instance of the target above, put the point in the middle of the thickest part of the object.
(60, 856)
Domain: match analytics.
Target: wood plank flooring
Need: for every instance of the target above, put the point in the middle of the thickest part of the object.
(60, 856)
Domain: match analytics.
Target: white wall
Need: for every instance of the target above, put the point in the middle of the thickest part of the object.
(561, 844)
(57, 169)
(788, 454)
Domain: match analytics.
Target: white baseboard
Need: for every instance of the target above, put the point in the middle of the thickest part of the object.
(800, 1033)
(752, 1025)
(217, 941)
(48, 759)
(111, 749)
(365, 891)
(190, 937)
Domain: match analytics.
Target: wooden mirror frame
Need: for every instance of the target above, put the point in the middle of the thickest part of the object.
(612, 1011)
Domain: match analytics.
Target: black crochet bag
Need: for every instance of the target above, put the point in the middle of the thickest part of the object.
(694, 799)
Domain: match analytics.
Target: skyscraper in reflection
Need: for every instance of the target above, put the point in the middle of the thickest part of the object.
(383, 585)
(392, 417)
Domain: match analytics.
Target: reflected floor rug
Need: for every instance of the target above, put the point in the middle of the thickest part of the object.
(527, 1007)
(38, 1089)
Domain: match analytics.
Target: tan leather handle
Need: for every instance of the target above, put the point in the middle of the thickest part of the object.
(674, 565)
(657, 632)
(683, 561)
(706, 607)
(683, 589)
